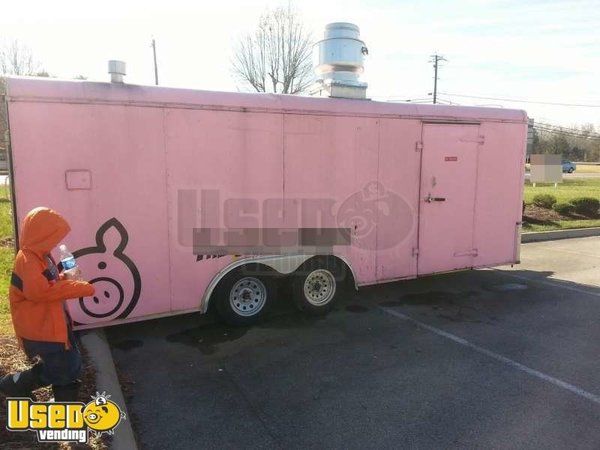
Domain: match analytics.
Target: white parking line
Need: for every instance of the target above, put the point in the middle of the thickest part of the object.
(547, 282)
(528, 370)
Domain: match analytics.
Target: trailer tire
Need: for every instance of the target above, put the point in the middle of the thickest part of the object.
(318, 284)
(245, 295)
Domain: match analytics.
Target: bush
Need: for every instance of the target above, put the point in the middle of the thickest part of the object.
(544, 200)
(563, 208)
(586, 206)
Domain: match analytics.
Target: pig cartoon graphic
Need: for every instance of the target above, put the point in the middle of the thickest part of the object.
(113, 274)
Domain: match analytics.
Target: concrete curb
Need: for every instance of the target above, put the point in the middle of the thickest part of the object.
(98, 350)
(559, 234)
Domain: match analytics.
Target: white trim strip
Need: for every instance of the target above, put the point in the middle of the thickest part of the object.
(503, 359)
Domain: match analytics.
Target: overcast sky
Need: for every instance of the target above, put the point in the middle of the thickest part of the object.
(533, 50)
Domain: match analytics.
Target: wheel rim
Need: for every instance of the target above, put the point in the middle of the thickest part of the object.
(319, 287)
(248, 296)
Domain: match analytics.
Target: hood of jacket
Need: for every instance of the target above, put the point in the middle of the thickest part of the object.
(42, 230)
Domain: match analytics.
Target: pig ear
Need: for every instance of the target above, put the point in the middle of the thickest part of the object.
(112, 236)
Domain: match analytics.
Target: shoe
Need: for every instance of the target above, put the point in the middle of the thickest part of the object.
(20, 384)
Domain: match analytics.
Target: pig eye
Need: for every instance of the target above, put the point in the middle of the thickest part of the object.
(101, 265)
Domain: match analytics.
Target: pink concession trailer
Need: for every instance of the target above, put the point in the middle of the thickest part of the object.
(165, 188)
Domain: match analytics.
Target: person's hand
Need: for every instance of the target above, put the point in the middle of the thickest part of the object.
(73, 274)
(89, 289)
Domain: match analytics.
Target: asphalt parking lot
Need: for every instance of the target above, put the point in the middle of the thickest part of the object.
(502, 358)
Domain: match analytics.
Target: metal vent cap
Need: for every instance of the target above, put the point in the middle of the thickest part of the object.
(117, 70)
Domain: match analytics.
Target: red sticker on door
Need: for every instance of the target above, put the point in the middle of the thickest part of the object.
(451, 158)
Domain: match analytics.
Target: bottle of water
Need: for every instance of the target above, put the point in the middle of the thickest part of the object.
(69, 264)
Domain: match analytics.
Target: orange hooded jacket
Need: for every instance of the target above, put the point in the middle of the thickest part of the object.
(37, 293)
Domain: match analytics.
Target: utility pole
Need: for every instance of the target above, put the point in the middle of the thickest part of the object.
(155, 65)
(435, 59)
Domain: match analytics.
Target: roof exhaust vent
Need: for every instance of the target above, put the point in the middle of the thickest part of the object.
(117, 71)
(341, 55)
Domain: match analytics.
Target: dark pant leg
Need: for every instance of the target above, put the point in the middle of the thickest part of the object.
(59, 366)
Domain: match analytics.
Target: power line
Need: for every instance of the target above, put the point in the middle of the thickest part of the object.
(581, 105)
(574, 135)
(571, 132)
(555, 129)
(448, 101)
(567, 129)
(409, 100)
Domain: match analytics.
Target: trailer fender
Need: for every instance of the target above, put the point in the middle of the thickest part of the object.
(283, 265)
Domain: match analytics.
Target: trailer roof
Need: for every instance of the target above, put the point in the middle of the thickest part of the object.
(86, 92)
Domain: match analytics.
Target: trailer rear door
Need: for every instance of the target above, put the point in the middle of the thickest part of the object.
(447, 197)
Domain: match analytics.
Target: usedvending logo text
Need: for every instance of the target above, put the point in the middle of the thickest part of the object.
(64, 421)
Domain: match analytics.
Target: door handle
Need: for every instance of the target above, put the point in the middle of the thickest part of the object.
(430, 199)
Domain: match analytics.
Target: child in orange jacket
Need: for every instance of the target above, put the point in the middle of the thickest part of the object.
(37, 303)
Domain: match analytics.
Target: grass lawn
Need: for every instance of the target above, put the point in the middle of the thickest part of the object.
(581, 168)
(7, 254)
(588, 168)
(566, 191)
(561, 225)
(6, 260)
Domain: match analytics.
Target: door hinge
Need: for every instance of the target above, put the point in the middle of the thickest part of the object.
(415, 251)
(418, 146)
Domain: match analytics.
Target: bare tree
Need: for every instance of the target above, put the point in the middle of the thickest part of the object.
(277, 57)
(17, 59)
